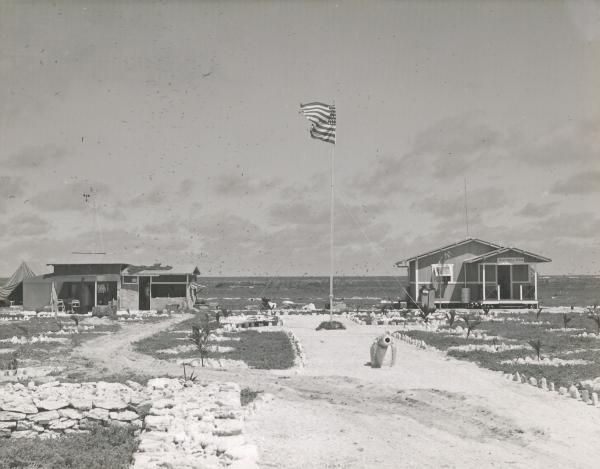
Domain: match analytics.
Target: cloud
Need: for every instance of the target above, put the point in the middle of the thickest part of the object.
(145, 199)
(25, 225)
(233, 184)
(452, 205)
(586, 182)
(69, 195)
(536, 210)
(34, 156)
(10, 188)
(301, 212)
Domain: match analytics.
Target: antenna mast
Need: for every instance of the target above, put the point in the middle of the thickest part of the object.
(466, 210)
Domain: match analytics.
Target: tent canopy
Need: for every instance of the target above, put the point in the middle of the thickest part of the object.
(15, 281)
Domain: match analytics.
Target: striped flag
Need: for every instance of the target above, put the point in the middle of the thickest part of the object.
(322, 117)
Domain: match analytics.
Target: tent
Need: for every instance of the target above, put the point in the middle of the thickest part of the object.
(13, 288)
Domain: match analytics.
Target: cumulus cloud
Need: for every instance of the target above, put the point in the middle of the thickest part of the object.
(536, 210)
(25, 225)
(10, 188)
(586, 182)
(34, 156)
(234, 184)
(68, 195)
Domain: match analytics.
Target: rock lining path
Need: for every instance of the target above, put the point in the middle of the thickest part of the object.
(429, 411)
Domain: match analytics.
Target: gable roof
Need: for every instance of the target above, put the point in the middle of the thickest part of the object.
(444, 248)
(159, 269)
(497, 252)
(23, 272)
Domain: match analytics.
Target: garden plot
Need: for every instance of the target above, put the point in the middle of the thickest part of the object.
(41, 346)
(562, 347)
(263, 349)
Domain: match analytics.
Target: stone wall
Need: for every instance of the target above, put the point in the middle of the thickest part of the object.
(52, 409)
(194, 425)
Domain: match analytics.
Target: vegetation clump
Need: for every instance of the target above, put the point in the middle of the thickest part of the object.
(330, 326)
(103, 448)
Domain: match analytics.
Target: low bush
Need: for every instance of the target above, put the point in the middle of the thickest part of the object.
(330, 326)
(247, 395)
(103, 448)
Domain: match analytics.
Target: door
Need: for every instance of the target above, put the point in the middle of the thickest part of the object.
(504, 281)
(144, 293)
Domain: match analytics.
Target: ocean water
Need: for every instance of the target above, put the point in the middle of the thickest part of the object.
(237, 292)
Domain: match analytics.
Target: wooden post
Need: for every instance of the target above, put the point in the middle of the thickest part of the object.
(535, 284)
(498, 292)
(521, 292)
(483, 282)
(417, 280)
(96, 293)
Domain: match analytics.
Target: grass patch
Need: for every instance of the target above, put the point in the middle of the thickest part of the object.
(263, 350)
(104, 448)
(547, 329)
(330, 326)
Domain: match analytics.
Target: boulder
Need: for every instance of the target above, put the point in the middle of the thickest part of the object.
(24, 434)
(97, 414)
(158, 422)
(125, 416)
(23, 405)
(227, 427)
(62, 424)
(44, 418)
(8, 425)
(69, 413)
(4, 416)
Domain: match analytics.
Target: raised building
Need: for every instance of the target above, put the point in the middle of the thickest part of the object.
(474, 271)
(127, 286)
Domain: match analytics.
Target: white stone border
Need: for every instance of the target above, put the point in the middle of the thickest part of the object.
(299, 355)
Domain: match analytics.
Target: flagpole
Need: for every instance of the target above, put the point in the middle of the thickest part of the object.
(331, 236)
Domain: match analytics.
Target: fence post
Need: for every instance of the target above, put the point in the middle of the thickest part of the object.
(498, 292)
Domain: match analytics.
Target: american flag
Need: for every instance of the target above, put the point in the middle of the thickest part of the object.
(322, 117)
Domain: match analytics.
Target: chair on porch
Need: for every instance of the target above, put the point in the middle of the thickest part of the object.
(60, 306)
(75, 306)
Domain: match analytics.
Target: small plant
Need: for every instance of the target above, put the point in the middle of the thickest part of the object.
(595, 317)
(566, 320)
(471, 324)
(24, 330)
(192, 377)
(330, 326)
(537, 346)
(405, 313)
(59, 324)
(199, 337)
(425, 312)
(485, 309)
(247, 395)
(451, 315)
(538, 314)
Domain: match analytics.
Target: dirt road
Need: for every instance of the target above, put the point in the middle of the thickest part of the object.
(427, 412)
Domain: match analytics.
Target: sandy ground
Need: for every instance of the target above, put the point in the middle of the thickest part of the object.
(428, 411)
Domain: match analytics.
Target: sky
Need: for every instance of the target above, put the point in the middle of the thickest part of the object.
(169, 132)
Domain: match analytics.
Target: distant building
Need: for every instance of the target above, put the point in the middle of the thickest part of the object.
(474, 271)
(129, 286)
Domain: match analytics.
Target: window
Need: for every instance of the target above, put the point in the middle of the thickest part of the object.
(520, 273)
(443, 272)
(490, 273)
(165, 290)
(130, 279)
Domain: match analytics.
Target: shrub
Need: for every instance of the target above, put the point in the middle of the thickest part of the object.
(471, 324)
(537, 346)
(247, 395)
(451, 316)
(199, 337)
(103, 448)
(330, 326)
(425, 312)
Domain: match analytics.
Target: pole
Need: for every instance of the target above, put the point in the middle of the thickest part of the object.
(331, 236)
(466, 210)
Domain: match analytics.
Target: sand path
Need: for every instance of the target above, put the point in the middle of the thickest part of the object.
(115, 354)
(427, 412)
